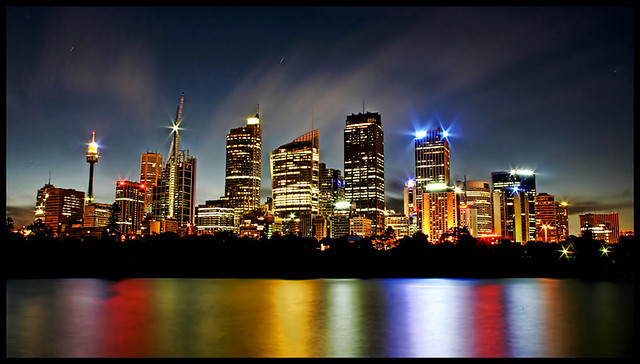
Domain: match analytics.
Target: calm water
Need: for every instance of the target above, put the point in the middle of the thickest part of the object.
(318, 318)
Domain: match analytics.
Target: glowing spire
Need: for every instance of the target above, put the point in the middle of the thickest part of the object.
(92, 158)
(92, 150)
(175, 129)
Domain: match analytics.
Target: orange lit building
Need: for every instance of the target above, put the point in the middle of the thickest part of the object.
(603, 226)
(130, 198)
(59, 208)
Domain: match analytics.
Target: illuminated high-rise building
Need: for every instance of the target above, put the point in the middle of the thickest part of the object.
(364, 167)
(130, 198)
(331, 189)
(477, 196)
(244, 166)
(432, 159)
(59, 208)
(295, 182)
(174, 196)
(547, 224)
(410, 206)
(514, 194)
(439, 210)
(150, 174)
(562, 219)
(602, 226)
(92, 158)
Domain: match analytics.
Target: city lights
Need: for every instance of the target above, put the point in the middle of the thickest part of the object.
(421, 134)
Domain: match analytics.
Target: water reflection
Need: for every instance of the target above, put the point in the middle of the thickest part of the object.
(318, 318)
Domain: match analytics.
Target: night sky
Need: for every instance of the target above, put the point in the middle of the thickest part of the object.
(547, 89)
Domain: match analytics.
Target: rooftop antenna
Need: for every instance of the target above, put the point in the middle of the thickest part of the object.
(363, 106)
(49, 177)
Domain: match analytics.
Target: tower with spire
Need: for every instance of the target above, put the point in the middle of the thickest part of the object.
(174, 196)
(92, 158)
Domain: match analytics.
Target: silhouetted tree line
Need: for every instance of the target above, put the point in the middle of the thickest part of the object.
(227, 255)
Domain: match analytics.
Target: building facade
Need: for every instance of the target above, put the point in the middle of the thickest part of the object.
(440, 210)
(364, 167)
(410, 205)
(547, 224)
(59, 208)
(432, 159)
(214, 217)
(295, 182)
(130, 198)
(477, 196)
(514, 204)
(399, 222)
(96, 215)
(150, 174)
(602, 226)
(244, 166)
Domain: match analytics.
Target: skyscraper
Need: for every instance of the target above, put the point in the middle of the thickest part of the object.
(514, 204)
(244, 166)
(150, 174)
(295, 181)
(364, 167)
(439, 210)
(331, 189)
(174, 195)
(130, 198)
(410, 206)
(432, 158)
(92, 158)
(59, 208)
(477, 195)
(547, 224)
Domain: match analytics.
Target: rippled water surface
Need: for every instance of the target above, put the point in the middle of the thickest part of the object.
(318, 318)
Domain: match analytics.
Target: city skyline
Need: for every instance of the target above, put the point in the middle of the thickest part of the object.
(573, 80)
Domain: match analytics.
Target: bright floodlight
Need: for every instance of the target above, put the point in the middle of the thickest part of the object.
(435, 186)
(410, 183)
(343, 205)
(421, 134)
(253, 121)
(445, 134)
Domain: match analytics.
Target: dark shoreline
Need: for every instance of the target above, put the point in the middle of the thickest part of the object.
(300, 258)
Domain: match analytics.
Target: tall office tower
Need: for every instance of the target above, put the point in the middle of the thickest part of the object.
(477, 195)
(130, 198)
(244, 166)
(92, 158)
(410, 206)
(174, 196)
(514, 204)
(562, 220)
(215, 216)
(603, 226)
(295, 181)
(59, 208)
(331, 189)
(150, 174)
(547, 218)
(432, 158)
(364, 167)
(440, 210)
